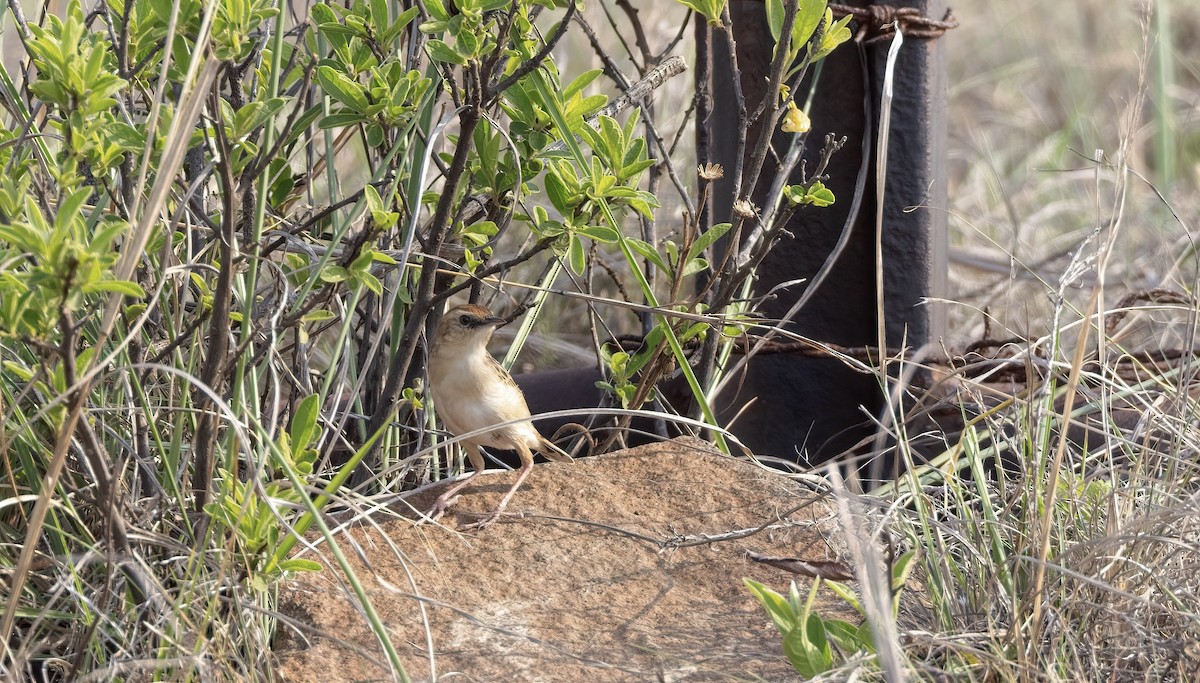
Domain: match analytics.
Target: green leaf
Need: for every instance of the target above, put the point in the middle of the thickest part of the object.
(672, 250)
(125, 136)
(808, 16)
(162, 9)
(709, 9)
(370, 282)
(866, 637)
(633, 169)
(384, 220)
(777, 607)
(819, 195)
(70, 209)
(845, 635)
(341, 119)
(603, 184)
(693, 266)
(379, 12)
(302, 124)
(581, 81)
(467, 44)
(121, 286)
(380, 257)
(437, 10)
(24, 374)
(304, 423)
(361, 263)
(374, 135)
(24, 238)
(845, 593)
(482, 229)
(282, 181)
(245, 118)
(545, 228)
(614, 138)
(815, 628)
(337, 33)
(600, 233)
(643, 204)
(341, 88)
(439, 51)
(902, 568)
(374, 202)
(807, 648)
(833, 36)
(648, 252)
(399, 25)
(576, 258)
(580, 108)
(816, 195)
(706, 239)
(558, 193)
(105, 235)
(592, 137)
(299, 565)
(617, 362)
(332, 273)
(693, 331)
(318, 315)
(775, 18)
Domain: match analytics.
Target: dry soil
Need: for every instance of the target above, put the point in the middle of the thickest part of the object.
(617, 570)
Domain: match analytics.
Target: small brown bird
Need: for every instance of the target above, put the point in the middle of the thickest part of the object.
(472, 391)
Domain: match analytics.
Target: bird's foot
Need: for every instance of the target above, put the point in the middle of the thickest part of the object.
(479, 524)
(488, 521)
(439, 508)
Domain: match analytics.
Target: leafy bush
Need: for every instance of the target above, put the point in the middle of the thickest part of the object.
(220, 238)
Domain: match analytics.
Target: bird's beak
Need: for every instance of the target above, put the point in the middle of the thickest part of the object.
(498, 322)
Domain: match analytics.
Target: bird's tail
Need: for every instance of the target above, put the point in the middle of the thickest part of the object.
(547, 448)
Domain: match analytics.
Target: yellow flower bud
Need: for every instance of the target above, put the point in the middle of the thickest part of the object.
(795, 120)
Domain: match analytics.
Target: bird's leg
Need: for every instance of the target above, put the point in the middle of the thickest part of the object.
(523, 472)
(447, 499)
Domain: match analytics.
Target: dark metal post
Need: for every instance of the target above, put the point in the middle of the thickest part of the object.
(812, 408)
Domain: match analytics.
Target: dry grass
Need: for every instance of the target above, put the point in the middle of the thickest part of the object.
(1036, 90)
(1078, 563)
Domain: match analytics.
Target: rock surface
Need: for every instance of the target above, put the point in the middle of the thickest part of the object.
(610, 574)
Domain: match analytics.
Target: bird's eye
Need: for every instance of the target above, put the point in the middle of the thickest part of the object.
(465, 320)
